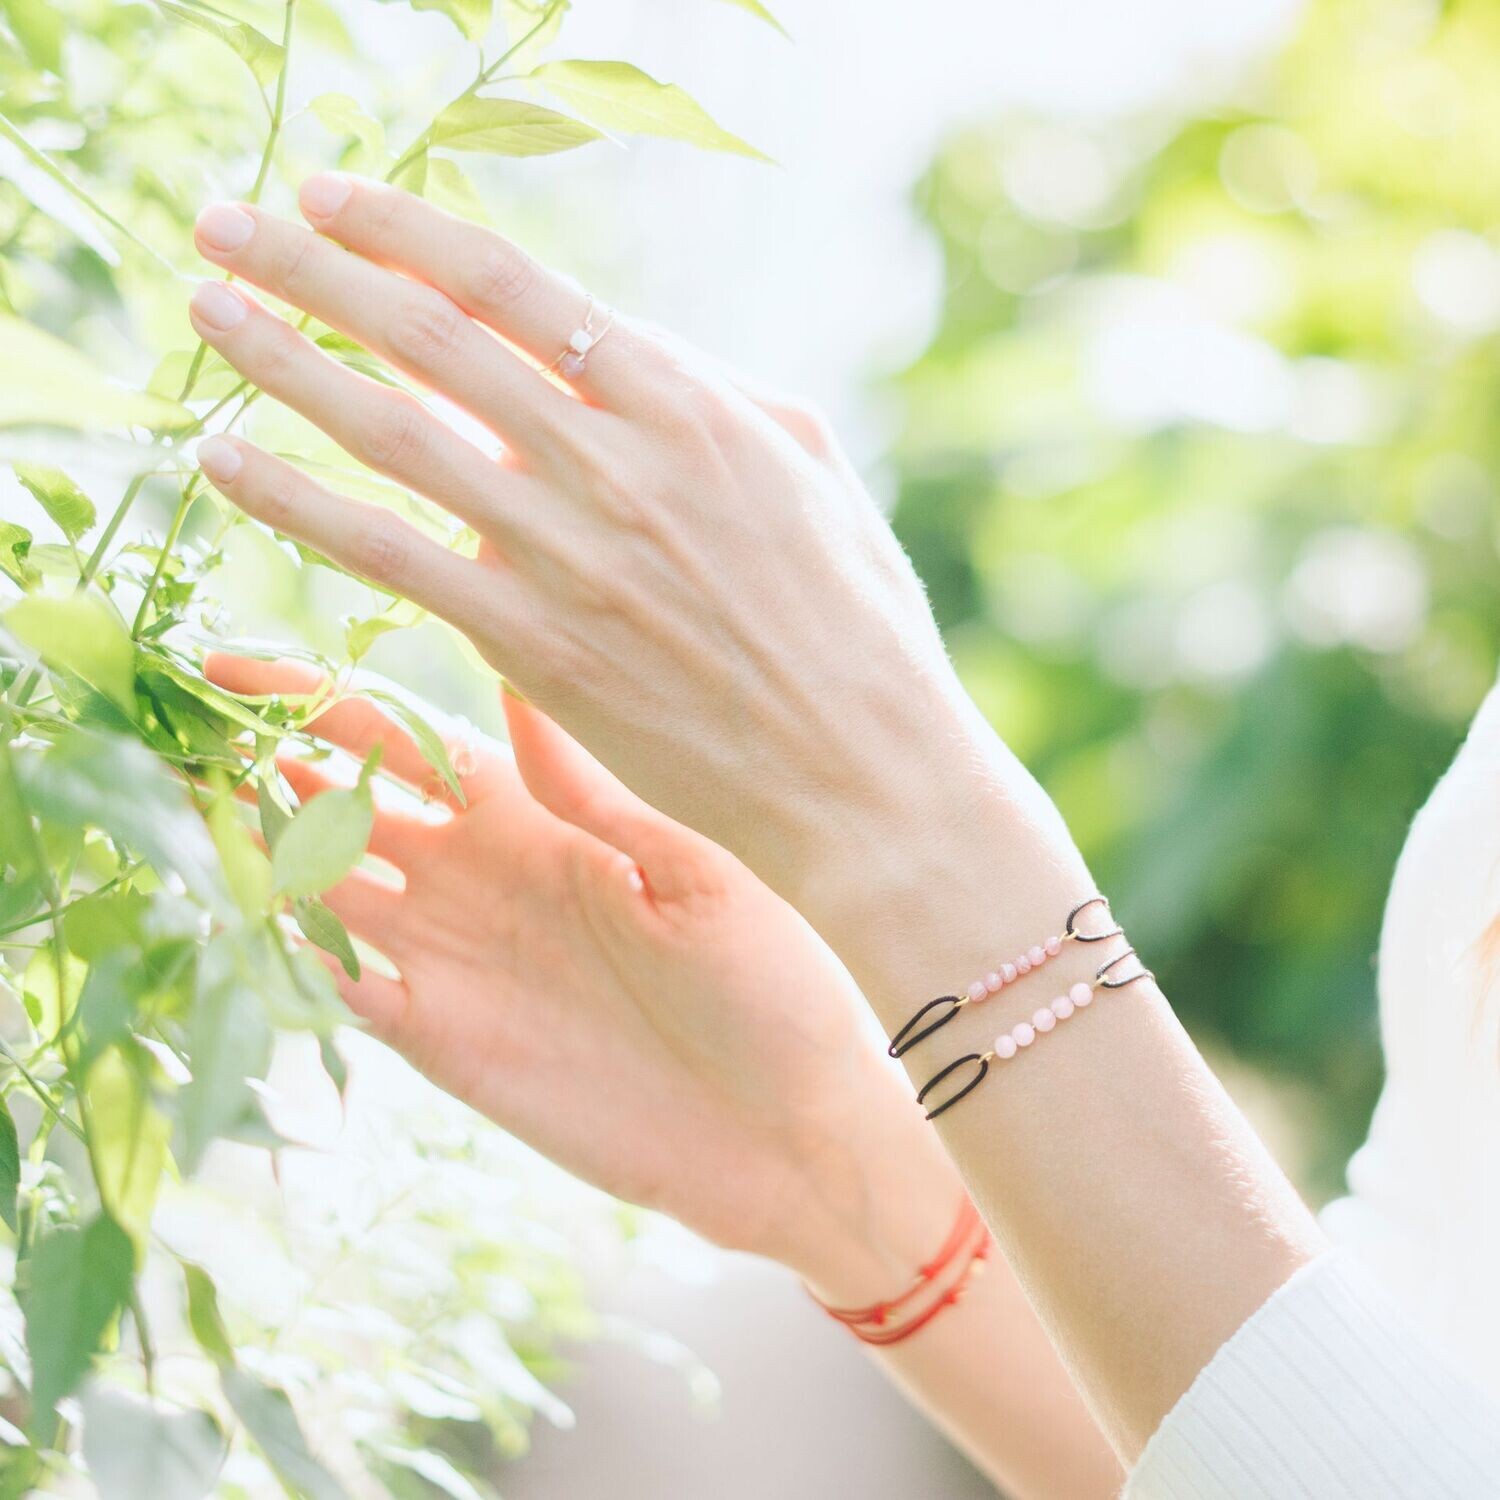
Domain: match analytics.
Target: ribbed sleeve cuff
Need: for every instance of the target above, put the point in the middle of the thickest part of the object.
(1326, 1393)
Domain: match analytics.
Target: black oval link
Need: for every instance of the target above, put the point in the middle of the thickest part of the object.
(1072, 931)
(981, 1058)
(902, 1042)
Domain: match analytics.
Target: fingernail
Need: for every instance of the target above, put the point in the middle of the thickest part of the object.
(324, 195)
(219, 459)
(213, 303)
(222, 226)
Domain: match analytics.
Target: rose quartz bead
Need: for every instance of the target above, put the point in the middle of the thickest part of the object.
(993, 981)
(1037, 955)
(977, 990)
(1081, 994)
(1005, 1046)
(1054, 946)
(1044, 1020)
(1008, 973)
(1062, 1007)
(1023, 964)
(1024, 1033)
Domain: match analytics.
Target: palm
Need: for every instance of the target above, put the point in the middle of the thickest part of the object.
(680, 1042)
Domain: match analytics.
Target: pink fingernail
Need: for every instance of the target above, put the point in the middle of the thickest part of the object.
(217, 306)
(220, 459)
(222, 226)
(324, 195)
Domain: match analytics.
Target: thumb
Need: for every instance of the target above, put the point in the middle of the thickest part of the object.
(573, 786)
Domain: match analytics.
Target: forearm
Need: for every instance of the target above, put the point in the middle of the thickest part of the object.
(983, 1369)
(1141, 1215)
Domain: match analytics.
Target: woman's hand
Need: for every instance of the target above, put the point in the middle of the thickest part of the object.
(655, 1020)
(631, 1001)
(681, 576)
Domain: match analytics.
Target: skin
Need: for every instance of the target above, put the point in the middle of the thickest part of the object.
(701, 1053)
(718, 612)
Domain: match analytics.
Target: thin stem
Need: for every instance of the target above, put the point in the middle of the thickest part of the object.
(486, 75)
(184, 505)
(40, 1089)
(278, 109)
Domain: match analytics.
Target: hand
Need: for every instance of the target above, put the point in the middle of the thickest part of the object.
(694, 584)
(655, 1020)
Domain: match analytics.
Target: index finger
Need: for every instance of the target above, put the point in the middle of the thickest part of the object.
(491, 279)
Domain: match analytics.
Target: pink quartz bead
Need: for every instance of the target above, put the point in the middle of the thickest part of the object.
(1005, 1046)
(993, 982)
(1062, 1007)
(1008, 973)
(977, 990)
(1037, 955)
(1081, 994)
(1024, 1033)
(1023, 964)
(1044, 1020)
(1054, 946)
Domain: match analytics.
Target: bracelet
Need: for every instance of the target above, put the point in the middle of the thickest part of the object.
(996, 979)
(1024, 1033)
(881, 1322)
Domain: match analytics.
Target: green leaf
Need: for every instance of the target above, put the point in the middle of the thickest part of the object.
(269, 1418)
(341, 115)
(10, 1169)
(108, 1001)
(46, 382)
(333, 1063)
(15, 544)
(18, 846)
(246, 868)
(320, 926)
(204, 1317)
(429, 741)
(229, 1042)
(274, 816)
(140, 1450)
(68, 506)
(472, 17)
(129, 1136)
(39, 27)
(79, 634)
(323, 842)
(258, 52)
(619, 96)
(531, 26)
(507, 127)
(758, 10)
(77, 1282)
(109, 782)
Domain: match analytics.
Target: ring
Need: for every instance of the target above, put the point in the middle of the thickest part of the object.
(571, 361)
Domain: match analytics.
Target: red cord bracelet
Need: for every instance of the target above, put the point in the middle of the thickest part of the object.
(874, 1324)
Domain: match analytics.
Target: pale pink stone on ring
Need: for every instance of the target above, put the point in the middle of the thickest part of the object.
(1008, 973)
(1023, 964)
(1024, 1033)
(1062, 1007)
(1037, 955)
(1005, 1046)
(977, 990)
(1081, 994)
(571, 366)
(581, 342)
(1044, 1020)
(993, 982)
(1054, 946)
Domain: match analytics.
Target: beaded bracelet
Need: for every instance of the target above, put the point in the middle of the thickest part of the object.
(879, 1323)
(996, 979)
(1024, 1033)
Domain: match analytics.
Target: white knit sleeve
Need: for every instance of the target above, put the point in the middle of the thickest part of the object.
(1326, 1393)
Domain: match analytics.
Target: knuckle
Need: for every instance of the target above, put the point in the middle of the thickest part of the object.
(279, 348)
(292, 261)
(810, 427)
(426, 328)
(379, 549)
(382, 207)
(500, 277)
(394, 434)
(277, 498)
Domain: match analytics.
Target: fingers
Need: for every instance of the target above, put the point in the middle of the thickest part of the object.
(385, 429)
(379, 1001)
(412, 326)
(371, 910)
(368, 541)
(487, 276)
(357, 725)
(573, 786)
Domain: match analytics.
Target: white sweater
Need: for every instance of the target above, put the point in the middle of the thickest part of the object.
(1375, 1373)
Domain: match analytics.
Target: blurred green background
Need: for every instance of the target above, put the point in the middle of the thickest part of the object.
(1199, 471)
